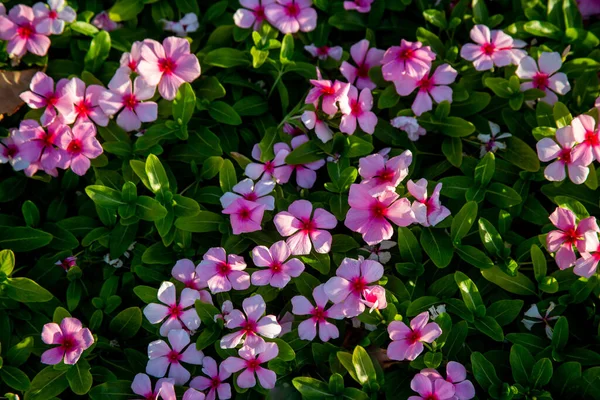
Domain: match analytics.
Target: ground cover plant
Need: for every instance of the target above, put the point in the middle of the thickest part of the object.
(286, 199)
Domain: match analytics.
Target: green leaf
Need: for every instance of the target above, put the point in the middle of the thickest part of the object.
(251, 106)
(286, 353)
(80, 378)
(456, 339)
(112, 390)
(287, 49)
(25, 290)
(539, 262)
(463, 221)
(226, 58)
(505, 311)
(311, 389)
(488, 326)
(421, 304)
(560, 336)
(185, 206)
(502, 196)
(469, 292)
(157, 176)
(205, 221)
(358, 147)
(7, 262)
(104, 196)
(20, 352)
(224, 113)
(84, 28)
(209, 88)
(409, 246)
(48, 383)
(438, 246)
(480, 11)
(543, 29)
(521, 363)
(473, 256)
(305, 284)
(345, 359)
(451, 126)
(435, 17)
(452, 149)
(206, 312)
(519, 284)
(146, 293)
(124, 10)
(184, 104)
(149, 209)
(121, 238)
(490, 238)
(541, 373)
(484, 371)
(520, 154)
(127, 323)
(99, 49)
(562, 115)
(484, 171)
(365, 371)
(15, 378)
(209, 336)
(430, 39)
(227, 178)
(305, 153)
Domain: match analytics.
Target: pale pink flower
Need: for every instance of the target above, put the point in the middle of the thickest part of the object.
(588, 8)
(67, 263)
(307, 330)
(293, 130)
(371, 215)
(188, 24)
(588, 263)
(428, 389)
(252, 15)
(168, 65)
(250, 362)
(490, 142)
(329, 92)
(226, 309)
(410, 58)
(163, 389)
(86, 106)
(410, 125)
(275, 169)
(245, 216)
(358, 109)
(435, 86)
(184, 271)
(72, 339)
(456, 374)
(516, 51)
(215, 382)
(223, 272)
(322, 130)
(362, 6)
(407, 343)
(256, 192)
(2, 9)
(52, 18)
(44, 95)
(129, 100)
(380, 175)
(279, 267)
(10, 150)
(570, 233)
(365, 59)
(428, 211)
(587, 134)
(324, 52)
(305, 228)
(286, 323)
(291, 16)
(350, 289)
(565, 156)
(80, 145)
(103, 21)
(491, 48)
(130, 61)
(22, 32)
(543, 75)
(176, 315)
(166, 360)
(254, 325)
(41, 144)
(536, 318)
(193, 394)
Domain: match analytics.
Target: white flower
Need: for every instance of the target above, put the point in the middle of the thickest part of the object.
(410, 125)
(376, 253)
(436, 311)
(534, 313)
(187, 24)
(117, 263)
(490, 142)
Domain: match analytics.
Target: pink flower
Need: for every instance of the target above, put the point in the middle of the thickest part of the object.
(245, 216)
(286, 323)
(41, 145)
(369, 215)
(322, 130)
(223, 272)
(456, 374)
(565, 155)
(543, 76)
(23, 33)
(80, 145)
(435, 87)
(163, 389)
(188, 24)
(250, 362)
(587, 134)
(428, 211)
(410, 125)
(215, 381)
(362, 6)
(588, 8)
(168, 65)
(86, 103)
(279, 270)
(429, 389)
(175, 314)
(130, 61)
(381, 175)
(72, 339)
(407, 343)
(588, 263)
(323, 52)
(293, 130)
(517, 52)
(329, 92)
(103, 21)
(307, 330)
(490, 142)
(358, 109)
(43, 95)
(291, 16)
(410, 58)
(193, 394)
(491, 48)
(275, 169)
(253, 325)
(165, 359)
(350, 289)
(256, 192)
(130, 101)
(52, 19)
(303, 227)
(185, 272)
(252, 15)
(365, 59)
(226, 309)
(570, 233)
(10, 150)
(67, 263)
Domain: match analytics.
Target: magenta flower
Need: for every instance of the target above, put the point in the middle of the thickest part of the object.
(456, 374)
(587, 134)
(41, 144)
(324, 52)
(428, 211)
(86, 102)
(428, 389)
(280, 269)
(72, 339)
(275, 169)
(380, 174)
(362, 6)
(103, 21)
(67, 263)
(565, 156)
(322, 130)
(305, 173)
(129, 62)
(43, 95)
(215, 381)
(250, 362)
(10, 150)
(168, 65)
(347, 288)
(491, 48)
(434, 86)
(256, 192)
(410, 125)
(365, 59)
(291, 16)
(163, 389)
(407, 343)
(223, 272)
(410, 58)
(185, 272)
(130, 101)
(245, 216)
(252, 15)
(177, 315)
(358, 109)
(305, 229)
(543, 75)
(52, 19)
(588, 263)
(369, 215)
(329, 92)
(570, 233)
(254, 325)
(22, 32)
(307, 330)
(165, 359)
(80, 145)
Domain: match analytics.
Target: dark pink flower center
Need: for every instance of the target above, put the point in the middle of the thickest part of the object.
(175, 311)
(363, 71)
(413, 337)
(540, 81)
(51, 99)
(129, 101)
(488, 49)
(592, 138)
(385, 175)
(378, 210)
(370, 297)
(223, 268)
(244, 213)
(292, 10)
(191, 283)
(431, 396)
(565, 155)
(52, 14)
(327, 90)
(249, 328)
(215, 382)
(259, 13)
(75, 146)
(275, 266)
(25, 31)
(173, 357)
(68, 343)
(48, 139)
(251, 196)
(269, 167)
(323, 51)
(151, 396)
(356, 108)
(405, 54)
(425, 84)
(11, 151)
(252, 365)
(83, 108)
(571, 236)
(319, 314)
(132, 65)
(357, 285)
(308, 225)
(166, 65)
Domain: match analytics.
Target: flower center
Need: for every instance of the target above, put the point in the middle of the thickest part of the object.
(363, 71)
(592, 138)
(52, 14)
(276, 266)
(151, 396)
(259, 13)
(319, 314)
(215, 382)
(129, 101)
(565, 156)
(432, 396)
(425, 84)
(166, 66)
(48, 139)
(191, 284)
(571, 236)
(11, 151)
(244, 214)
(269, 167)
(68, 343)
(488, 49)
(357, 285)
(83, 108)
(132, 65)
(323, 51)
(413, 337)
(175, 311)
(25, 31)
(405, 54)
(328, 91)
(173, 357)
(251, 196)
(385, 175)
(292, 10)
(356, 108)
(308, 225)
(540, 81)
(223, 268)
(75, 146)
(249, 328)
(252, 365)
(51, 100)
(378, 210)
(370, 296)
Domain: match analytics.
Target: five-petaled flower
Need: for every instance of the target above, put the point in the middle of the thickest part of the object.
(72, 339)
(569, 234)
(491, 48)
(587, 134)
(250, 362)
(489, 142)
(307, 330)
(407, 342)
(177, 315)
(324, 52)
(565, 156)
(278, 268)
(291, 16)
(365, 59)
(357, 109)
(23, 32)
(408, 59)
(428, 210)
(430, 389)
(163, 389)
(42, 94)
(81, 146)
(52, 18)
(380, 174)
(543, 75)
(130, 101)
(456, 374)
(165, 359)
(223, 272)
(252, 14)
(214, 380)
